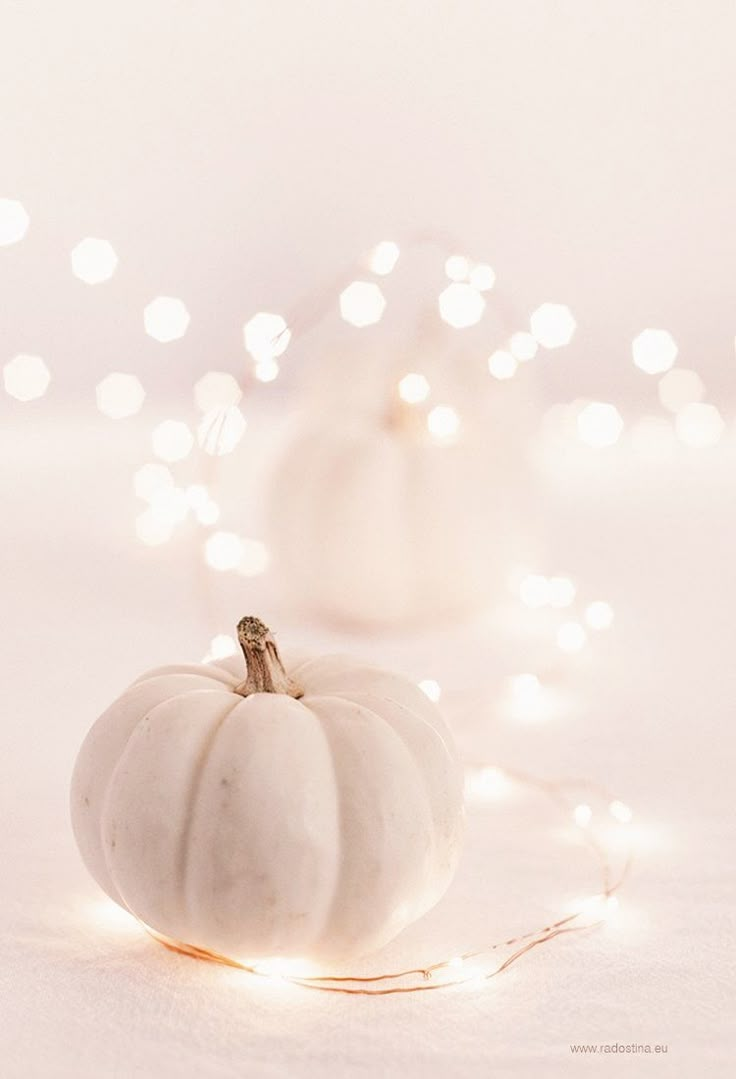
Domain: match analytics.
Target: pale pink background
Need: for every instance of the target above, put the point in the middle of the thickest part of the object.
(234, 154)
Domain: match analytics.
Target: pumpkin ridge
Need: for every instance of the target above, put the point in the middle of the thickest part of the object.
(113, 774)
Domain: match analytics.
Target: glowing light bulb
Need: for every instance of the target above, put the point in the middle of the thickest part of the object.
(362, 303)
(223, 551)
(221, 646)
(166, 319)
(502, 365)
(266, 370)
(461, 305)
(266, 336)
(13, 222)
(620, 812)
(482, 277)
(172, 440)
(93, 261)
(599, 424)
(384, 257)
(484, 784)
(571, 637)
(254, 558)
(151, 478)
(431, 689)
(413, 389)
(523, 346)
(582, 815)
(560, 591)
(220, 430)
(699, 425)
(599, 615)
(457, 268)
(119, 396)
(534, 590)
(553, 325)
(216, 389)
(654, 351)
(26, 377)
(680, 387)
(443, 423)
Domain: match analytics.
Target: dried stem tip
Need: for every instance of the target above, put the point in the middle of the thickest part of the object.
(266, 672)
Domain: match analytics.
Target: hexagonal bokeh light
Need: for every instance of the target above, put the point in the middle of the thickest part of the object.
(654, 351)
(119, 395)
(502, 365)
(414, 388)
(220, 430)
(384, 257)
(599, 424)
(13, 221)
(461, 305)
(553, 325)
(266, 336)
(680, 387)
(26, 377)
(166, 319)
(93, 260)
(172, 440)
(362, 303)
(699, 425)
(216, 389)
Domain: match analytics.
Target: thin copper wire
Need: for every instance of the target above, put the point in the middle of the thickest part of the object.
(374, 985)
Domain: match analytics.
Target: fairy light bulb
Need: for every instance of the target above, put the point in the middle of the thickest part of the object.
(384, 257)
(414, 388)
(443, 423)
(502, 365)
(431, 689)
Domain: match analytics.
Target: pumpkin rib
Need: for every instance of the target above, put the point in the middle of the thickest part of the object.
(345, 881)
(192, 798)
(114, 877)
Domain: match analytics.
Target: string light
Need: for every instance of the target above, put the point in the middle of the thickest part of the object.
(414, 389)
(654, 351)
(266, 336)
(571, 636)
(384, 257)
(443, 423)
(14, 222)
(680, 387)
(461, 305)
(599, 424)
(482, 277)
(699, 425)
(431, 689)
(26, 377)
(220, 430)
(166, 319)
(362, 303)
(172, 440)
(523, 346)
(502, 365)
(216, 389)
(553, 325)
(119, 396)
(473, 968)
(599, 615)
(93, 261)
(457, 268)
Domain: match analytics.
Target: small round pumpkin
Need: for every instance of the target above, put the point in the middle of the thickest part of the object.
(309, 812)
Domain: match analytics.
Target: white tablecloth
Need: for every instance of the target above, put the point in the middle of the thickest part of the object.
(646, 708)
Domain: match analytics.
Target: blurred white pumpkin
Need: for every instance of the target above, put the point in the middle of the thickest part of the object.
(310, 813)
(411, 510)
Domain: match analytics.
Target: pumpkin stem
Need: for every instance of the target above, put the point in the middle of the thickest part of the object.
(266, 672)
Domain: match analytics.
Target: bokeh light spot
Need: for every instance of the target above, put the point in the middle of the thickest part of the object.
(166, 319)
(461, 305)
(13, 221)
(26, 377)
(119, 395)
(362, 303)
(654, 351)
(93, 260)
(172, 440)
(216, 389)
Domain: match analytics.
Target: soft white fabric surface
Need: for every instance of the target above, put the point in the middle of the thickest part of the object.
(648, 709)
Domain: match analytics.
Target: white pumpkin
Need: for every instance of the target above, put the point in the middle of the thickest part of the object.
(372, 521)
(309, 814)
